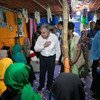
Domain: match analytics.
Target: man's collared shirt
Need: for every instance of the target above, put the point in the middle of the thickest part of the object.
(52, 49)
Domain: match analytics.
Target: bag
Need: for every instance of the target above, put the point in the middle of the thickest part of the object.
(35, 66)
(34, 62)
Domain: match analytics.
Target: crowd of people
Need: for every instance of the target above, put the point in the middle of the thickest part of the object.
(17, 74)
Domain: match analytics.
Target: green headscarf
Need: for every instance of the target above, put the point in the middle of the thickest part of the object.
(17, 55)
(17, 48)
(16, 77)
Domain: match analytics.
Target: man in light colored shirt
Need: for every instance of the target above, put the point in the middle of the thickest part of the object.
(48, 46)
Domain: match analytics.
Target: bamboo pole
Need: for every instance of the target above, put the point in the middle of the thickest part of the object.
(65, 46)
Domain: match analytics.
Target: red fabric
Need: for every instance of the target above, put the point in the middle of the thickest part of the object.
(32, 55)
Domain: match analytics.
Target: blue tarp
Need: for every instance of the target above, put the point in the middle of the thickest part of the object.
(54, 21)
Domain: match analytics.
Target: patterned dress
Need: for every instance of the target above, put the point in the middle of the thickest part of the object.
(73, 53)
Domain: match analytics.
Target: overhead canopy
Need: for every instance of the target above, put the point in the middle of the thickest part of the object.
(33, 5)
(95, 5)
(41, 5)
(91, 5)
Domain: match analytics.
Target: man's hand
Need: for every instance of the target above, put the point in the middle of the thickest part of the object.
(47, 43)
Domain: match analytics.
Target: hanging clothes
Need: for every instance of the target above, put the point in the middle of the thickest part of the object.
(20, 25)
(74, 3)
(49, 14)
(35, 26)
(2, 18)
(37, 17)
(25, 14)
(31, 30)
(84, 19)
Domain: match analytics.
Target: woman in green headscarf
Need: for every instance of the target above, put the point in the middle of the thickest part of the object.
(17, 54)
(18, 86)
(18, 57)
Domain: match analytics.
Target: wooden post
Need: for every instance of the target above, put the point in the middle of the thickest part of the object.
(65, 46)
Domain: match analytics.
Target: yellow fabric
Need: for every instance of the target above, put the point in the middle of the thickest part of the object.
(4, 63)
(2, 87)
(7, 37)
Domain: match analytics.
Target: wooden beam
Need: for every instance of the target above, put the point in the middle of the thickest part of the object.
(60, 3)
(65, 46)
(39, 4)
(6, 7)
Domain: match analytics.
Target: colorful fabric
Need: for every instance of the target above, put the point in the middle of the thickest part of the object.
(73, 52)
(49, 14)
(84, 19)
(17, 54)
(2, 18)
(85, 46)
(35, 26)
(19, 21)
(37, 17)
(16, 77)
(95, 49)
(85, 41)
(4, 63)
